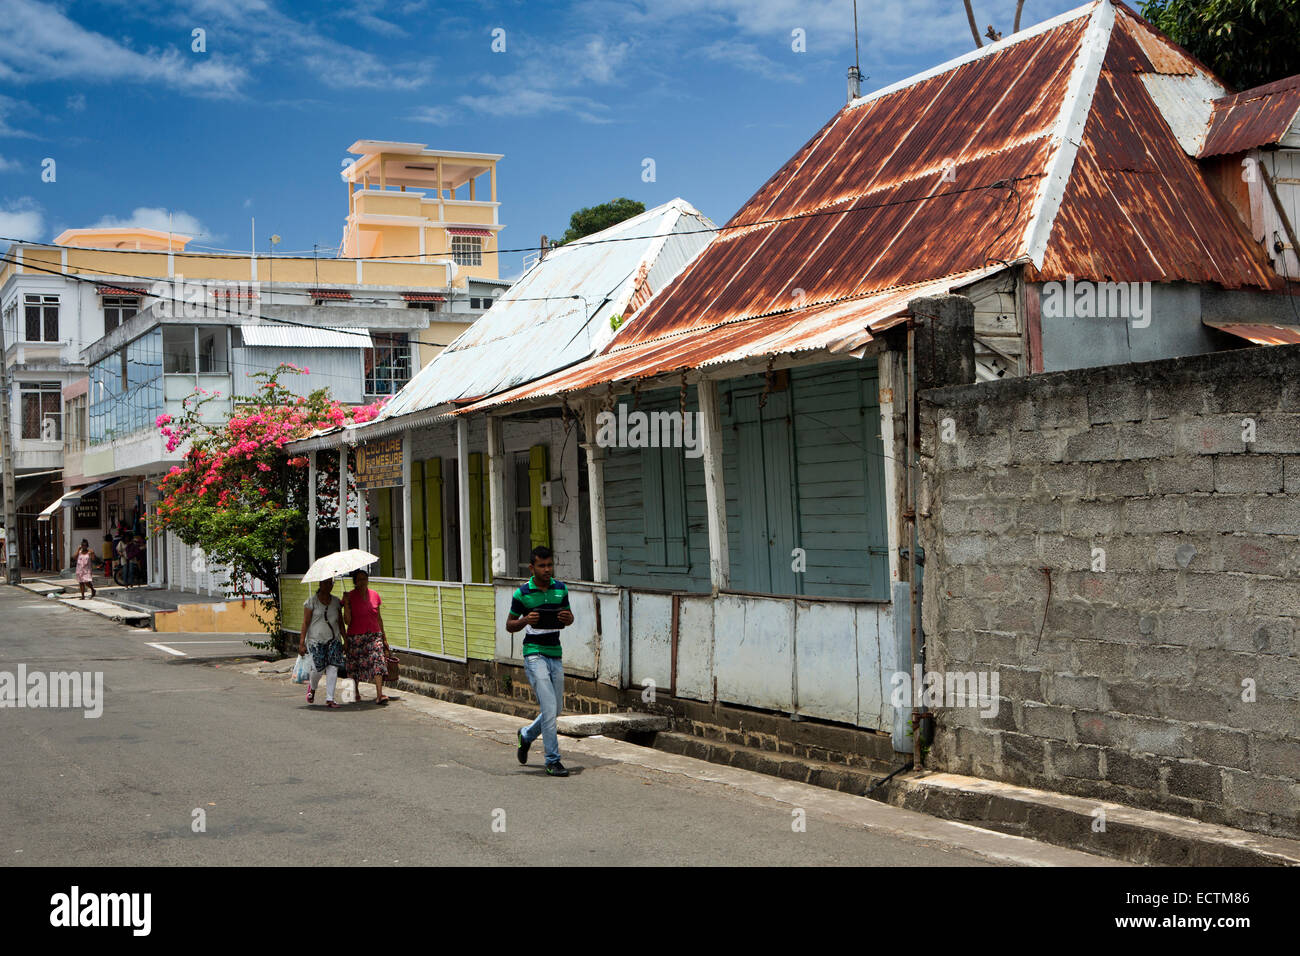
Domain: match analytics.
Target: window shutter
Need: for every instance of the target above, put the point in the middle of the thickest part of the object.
(540, 516)
(419, 560)
(487, 522)
(384, 503)
(433, 516)
(652, 494)
(476, 516)
(674, 508)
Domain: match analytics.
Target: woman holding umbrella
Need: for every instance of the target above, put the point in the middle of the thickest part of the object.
(320, 638)
(368, 650)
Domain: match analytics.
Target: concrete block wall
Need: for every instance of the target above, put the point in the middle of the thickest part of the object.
(1121, 546)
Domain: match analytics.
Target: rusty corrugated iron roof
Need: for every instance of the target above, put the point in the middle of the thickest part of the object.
(1064, 146)
(1261, 116)
(1260, 334)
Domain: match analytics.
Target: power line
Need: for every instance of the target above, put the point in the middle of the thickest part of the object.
(585, 241)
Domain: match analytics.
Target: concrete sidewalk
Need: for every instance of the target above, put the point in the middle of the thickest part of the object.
(870, 815)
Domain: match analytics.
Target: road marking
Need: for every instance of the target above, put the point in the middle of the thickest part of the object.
(169, 650)
(182, 643)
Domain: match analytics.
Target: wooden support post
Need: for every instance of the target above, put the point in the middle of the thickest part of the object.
(406, 504)
(715, 492)
(462, 495)
(595, 492)
(311, 507)
(343, 500)
(497, 494)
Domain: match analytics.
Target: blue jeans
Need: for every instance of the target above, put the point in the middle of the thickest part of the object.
(546, 675)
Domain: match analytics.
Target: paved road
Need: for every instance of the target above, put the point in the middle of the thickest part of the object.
(283, 783)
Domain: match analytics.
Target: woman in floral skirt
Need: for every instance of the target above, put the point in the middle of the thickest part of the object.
(367, 643)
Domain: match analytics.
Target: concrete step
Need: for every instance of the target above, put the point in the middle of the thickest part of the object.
(1134, 835)
(110, 610)
(610, 725)
(43, 588)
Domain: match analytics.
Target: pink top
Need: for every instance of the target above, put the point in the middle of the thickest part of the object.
(365, 614)
(83, 566)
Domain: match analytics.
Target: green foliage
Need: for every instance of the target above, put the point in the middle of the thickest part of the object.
(238, 498)
(592, 219)
(1246, 42)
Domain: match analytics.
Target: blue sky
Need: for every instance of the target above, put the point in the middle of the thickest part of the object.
(141, 126)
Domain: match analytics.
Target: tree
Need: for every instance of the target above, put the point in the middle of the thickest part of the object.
(238, 497)
(992, 34)
(1246, 42)
(595, 218)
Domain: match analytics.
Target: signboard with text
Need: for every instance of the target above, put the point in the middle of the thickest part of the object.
(86, 512)
(379, 463)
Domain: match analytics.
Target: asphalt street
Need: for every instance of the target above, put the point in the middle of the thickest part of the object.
(192, 738)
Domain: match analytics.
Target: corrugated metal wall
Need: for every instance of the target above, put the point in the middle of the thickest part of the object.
(339, 370)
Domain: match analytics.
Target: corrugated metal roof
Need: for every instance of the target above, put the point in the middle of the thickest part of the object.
(1268, 334)
(558, 313)
(1046, 148)
(1261, 116)
(301, 337)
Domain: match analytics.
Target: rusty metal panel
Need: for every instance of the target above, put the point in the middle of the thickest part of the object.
(1257, 117)
(1260, 334)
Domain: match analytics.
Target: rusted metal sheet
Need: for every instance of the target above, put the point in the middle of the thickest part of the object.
(1261, 116)
(933, 179)
(1137, 208)
(1260, 334)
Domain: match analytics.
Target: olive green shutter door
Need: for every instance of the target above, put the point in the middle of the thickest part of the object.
(540, 517)
(419, 560)
(476, 516)
(433, 515)
(487, 527)
(384, 503)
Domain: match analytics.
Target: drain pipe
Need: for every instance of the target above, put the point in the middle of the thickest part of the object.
(884, 780)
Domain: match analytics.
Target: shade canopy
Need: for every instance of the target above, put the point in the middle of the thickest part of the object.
(339, 563)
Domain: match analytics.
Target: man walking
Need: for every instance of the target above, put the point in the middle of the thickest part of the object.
(540, 608)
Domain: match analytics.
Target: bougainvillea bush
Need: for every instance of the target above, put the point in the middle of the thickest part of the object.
(238, 497)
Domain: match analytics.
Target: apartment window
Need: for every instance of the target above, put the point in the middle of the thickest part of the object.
(467, 250)
(387, 363)
(75, 435)
(42, 318)
(41, 410)
(119, 309)
(475, 303)
(487, 303)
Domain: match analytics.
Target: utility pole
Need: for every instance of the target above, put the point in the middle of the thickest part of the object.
(12, 561)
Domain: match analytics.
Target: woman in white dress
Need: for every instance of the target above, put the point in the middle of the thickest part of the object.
(320, 637)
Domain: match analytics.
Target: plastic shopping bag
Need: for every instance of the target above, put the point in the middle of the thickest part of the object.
(302, 669)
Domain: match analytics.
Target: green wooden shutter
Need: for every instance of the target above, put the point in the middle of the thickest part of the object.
(673, 470)
(384, 504)
(433, 516)
(487, 521)
(419, 560)
(540, 517)
(475, 491)
(652, 494)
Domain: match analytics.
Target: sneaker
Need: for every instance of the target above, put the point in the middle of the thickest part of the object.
(311, 694)
(330, 703)
(556, 770)
(522, 751)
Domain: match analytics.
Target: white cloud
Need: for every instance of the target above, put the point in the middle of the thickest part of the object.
(746, 56)
(22, 219)
(436, 115)
(77, 103)
(157, 217)
(9, 106)
(40, 43)
(526, 104)
(9, 165)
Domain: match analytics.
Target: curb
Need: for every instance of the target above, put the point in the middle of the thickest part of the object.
(1129, 834)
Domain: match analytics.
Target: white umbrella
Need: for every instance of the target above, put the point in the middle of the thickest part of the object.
(338, 563)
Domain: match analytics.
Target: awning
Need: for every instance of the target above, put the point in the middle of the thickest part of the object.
(48, 513)
(78, 493)
(423, 297)
(1259, 333)
(120, 290)
(297, 337)
(467, 231)
(329, 294)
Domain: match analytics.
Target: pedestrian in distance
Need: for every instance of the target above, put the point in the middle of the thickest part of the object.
(321, 637)
(85, 569)
(106, 552)
(367, 649)
(540, 607)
